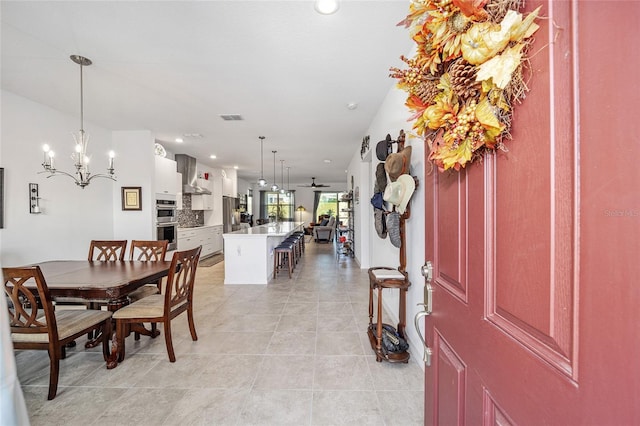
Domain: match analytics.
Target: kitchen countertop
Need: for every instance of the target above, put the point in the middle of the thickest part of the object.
(267, 230)
(197, 226)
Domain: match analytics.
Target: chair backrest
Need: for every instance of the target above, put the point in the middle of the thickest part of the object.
(148, 250)
(182, 275)
(25, 310)
(102, 250)
(332, 222)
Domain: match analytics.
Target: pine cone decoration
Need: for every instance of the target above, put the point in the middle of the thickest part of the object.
(463, 79)
(426, 91)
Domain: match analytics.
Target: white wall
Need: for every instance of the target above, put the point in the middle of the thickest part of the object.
(71, 216)
(135, 166)
(391, 118)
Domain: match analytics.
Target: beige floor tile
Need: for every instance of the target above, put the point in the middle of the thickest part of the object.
(285, 372)
(291, 352)
(346, 408)
(342, 373)
(277, 407)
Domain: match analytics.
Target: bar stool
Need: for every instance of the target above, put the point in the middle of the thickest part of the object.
(300, 234)
(297, 245)
(280, 253)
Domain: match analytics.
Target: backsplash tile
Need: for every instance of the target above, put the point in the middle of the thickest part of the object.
(186, 216)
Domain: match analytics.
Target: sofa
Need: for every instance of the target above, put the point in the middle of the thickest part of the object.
(325, 232)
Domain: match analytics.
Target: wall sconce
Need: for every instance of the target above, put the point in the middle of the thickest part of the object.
(34, 203)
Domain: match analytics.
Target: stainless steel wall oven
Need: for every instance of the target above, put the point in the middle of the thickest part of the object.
(167, 222)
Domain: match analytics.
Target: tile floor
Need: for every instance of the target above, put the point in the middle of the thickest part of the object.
(294, 352)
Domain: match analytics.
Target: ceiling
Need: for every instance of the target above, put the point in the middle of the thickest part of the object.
(173, 67)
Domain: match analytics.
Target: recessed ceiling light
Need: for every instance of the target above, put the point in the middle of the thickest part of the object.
(179, 140)
(326, 7)
(327, 161)
(352, 105)
(236, 167)
(213, 157)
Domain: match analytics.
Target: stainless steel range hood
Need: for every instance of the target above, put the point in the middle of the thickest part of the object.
(187, 166)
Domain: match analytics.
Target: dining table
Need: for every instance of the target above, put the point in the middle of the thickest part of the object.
(110, 281)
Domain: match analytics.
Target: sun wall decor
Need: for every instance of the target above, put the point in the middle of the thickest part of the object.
(466, 75)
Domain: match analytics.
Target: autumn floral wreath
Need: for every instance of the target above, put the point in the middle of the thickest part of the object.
(466, 75)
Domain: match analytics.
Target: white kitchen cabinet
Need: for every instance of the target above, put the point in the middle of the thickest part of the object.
(165, 176)
(216, 199)
(229, 183)
(218, 242)
(179, 193)
(209, 237)
(203, 201)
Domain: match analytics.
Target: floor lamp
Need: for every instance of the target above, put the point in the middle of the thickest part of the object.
(300, 209)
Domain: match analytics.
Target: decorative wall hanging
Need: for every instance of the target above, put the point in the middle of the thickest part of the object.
(466, 75)
(364, 147)
(131, 198)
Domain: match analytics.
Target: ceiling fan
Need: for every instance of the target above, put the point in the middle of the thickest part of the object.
(314, 184)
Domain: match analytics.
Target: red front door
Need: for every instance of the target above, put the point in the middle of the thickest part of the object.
(536, 252)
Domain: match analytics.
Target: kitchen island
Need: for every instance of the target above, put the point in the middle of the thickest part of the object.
(248, 253)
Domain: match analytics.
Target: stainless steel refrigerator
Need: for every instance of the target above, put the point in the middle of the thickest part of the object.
(230, 214)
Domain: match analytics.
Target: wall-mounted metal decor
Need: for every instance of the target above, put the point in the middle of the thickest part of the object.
(34, 199)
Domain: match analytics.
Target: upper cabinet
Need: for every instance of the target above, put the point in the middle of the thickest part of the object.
(166, 180)
(229, 183)
(179, 193)
(203, 201)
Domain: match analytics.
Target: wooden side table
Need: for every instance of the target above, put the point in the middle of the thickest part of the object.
(381, 278)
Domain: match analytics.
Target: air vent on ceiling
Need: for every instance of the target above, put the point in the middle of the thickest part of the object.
(231, 117)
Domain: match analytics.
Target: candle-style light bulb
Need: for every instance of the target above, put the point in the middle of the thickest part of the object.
(51, 155)
(111, 156)
(45, 149)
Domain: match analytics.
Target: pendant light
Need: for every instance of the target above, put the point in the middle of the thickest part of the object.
(288, 183)
(282, 176)
(262, 182)
(82, 176)
(274, 187)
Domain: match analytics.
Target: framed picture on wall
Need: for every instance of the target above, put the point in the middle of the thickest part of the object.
(131, 199)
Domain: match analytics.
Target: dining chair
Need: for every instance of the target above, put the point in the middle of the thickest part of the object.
(177, 298)
(35, 325)
(107, 250)
(147, 251)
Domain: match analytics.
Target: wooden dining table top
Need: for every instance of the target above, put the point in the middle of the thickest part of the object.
(99, 280)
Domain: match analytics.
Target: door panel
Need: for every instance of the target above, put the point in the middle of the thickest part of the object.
(535, 250)
(450, 236)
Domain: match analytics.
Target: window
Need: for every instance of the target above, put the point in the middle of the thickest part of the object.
(280, 207)
(329, 204)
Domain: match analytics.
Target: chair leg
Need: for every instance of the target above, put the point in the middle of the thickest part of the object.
(167, 340)
(192, 326)
(106, 336)
(54, 371)
(121, 331)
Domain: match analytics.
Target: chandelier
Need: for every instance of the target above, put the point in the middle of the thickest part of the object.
(282, 190)
(262, 181)
(82, 175)
(274, 187)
